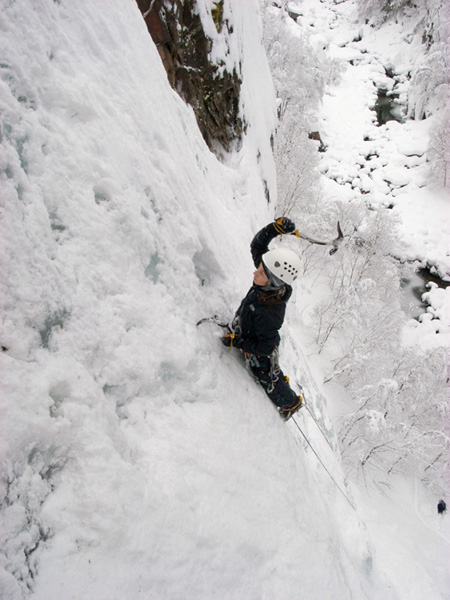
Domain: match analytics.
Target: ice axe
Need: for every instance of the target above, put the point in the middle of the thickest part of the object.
(335, 243)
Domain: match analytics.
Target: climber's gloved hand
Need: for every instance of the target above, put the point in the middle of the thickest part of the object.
(284, 225)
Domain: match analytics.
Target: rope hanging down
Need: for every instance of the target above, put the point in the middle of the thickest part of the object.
(321, 462)
(320, 428)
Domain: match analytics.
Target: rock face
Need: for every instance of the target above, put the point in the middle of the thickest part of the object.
(213, 93)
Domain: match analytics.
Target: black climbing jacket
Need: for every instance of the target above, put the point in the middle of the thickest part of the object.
(261, 313)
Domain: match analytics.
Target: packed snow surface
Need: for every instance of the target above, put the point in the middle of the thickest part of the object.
(140, 460)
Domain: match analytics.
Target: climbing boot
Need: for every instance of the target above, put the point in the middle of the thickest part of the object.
(286, 413)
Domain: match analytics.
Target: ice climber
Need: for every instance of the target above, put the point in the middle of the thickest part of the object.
(256, 324)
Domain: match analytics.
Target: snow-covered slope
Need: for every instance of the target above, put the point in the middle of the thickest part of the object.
(139, 460)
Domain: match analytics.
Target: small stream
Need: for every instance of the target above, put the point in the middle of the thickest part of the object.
(387, 107)
(414, 287)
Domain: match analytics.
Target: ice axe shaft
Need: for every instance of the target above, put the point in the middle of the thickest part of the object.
(216, 321)
(335, 243)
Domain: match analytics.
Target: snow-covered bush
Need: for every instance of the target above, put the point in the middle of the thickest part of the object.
(359, 302)
(396, 394)
(430, 81)
(439, 149)
(396, 426)
(430, 87)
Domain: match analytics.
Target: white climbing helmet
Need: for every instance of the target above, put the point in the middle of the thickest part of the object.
(283, 264)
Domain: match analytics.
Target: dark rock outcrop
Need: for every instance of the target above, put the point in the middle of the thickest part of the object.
(213, 93)
(315, 135)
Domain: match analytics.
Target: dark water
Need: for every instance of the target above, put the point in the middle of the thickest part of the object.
(387, 107)
(414, 287)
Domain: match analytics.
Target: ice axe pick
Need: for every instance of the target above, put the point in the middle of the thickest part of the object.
(335, 243)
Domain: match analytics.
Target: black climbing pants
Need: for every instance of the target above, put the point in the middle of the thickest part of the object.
(268, 373)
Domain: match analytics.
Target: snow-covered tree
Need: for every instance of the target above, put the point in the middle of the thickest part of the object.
(362, 283)
(396, 394)
(439, 149)
(397, 425)
(300, 74)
